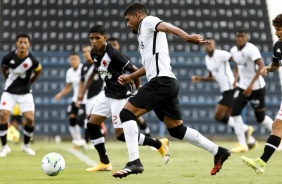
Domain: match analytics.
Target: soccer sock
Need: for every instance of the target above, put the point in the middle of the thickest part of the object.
(77, 132)
(224, 119)
(237, 123)
(86, 135)
(130, 129)
(28, 133)
(72, 128)
(98, 142)
(271, 145)
(148, 141)
(267, 123)
(144, 128)
(197, 139)
(3, 133)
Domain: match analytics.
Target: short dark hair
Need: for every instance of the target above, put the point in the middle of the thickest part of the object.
(241, 30)
(277, 21)
(135, 7)
(112, 39)
(74, 54)
(23, 35)
(98, 29)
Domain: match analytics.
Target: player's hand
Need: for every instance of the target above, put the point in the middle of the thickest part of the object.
(263, 71)
(80, 97)
(234, 84)
(247, 92)
(77, 104)
(58, 96)
(195, 78)
(124, 79)
(197, 39)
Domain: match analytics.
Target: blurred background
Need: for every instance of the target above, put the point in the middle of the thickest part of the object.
(59, 27)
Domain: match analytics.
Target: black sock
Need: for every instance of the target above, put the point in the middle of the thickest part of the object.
(95, 134)
(28, 131)
(224, 119)
(272, 142)
(4, 128)
(144, 141)
(86, 135)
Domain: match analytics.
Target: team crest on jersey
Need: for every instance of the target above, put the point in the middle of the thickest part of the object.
(104, 63)
(25, 65)
(85, 68)
(4, 103)
(278, 50)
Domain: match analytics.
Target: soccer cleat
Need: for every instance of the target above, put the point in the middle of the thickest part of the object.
(26, 148)
(257, 164)
(100, 167)
(164, 150)
(249, 133)
(239, 148)
(5, 150)
(79, 143)
(133, 167)
(253, 145)
(221, 156)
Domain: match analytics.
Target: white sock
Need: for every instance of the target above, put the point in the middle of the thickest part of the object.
(78, 132)
(252, 140)
(267, 123)
(197, 139)
(245, 127)
(141, 139)
(238, 128)
(130, 130)
(72, 132)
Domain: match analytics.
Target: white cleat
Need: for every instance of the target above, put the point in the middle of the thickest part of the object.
(5, 150)
(79, 143)
(26, 148)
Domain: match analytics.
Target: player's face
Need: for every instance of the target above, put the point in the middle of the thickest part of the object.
(210, 47)
(241, 39)
(23, 44)
(97, 41)
(86, 53)
(74, 61)
(132, 22)
(115, 44)
(278, 32)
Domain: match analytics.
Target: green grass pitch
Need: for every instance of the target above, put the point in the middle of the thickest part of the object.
(188, 164)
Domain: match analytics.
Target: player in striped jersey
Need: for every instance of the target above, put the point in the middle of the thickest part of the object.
(20, 69)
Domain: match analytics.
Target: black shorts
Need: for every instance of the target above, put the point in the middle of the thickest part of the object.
(17, 118)
(227, 98)
(257, 100)
(80, 112)
(161, 95)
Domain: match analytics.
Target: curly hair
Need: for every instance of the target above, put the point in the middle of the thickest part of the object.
(277, 21)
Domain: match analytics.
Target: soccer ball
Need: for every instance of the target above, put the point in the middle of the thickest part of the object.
(53, 164)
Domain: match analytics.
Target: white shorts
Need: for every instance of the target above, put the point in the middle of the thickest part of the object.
(91, 101)
(279, 114)
(8, 102)
(109, 107)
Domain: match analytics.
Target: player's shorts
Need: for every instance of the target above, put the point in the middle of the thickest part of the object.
(78, 112)
(227, 98)
(17, 118)
(25, 101)
(109, 107)
(279, 114)
(257, 100)
(91, 101)
(161, 95)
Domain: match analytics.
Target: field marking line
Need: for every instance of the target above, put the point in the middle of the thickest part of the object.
(82, 157)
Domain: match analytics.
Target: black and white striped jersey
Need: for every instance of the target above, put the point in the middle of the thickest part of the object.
(20, 71)
(111, 65)
(97, 83)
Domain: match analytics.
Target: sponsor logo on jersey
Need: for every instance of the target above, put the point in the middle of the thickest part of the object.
(104, 73)
(12, 62)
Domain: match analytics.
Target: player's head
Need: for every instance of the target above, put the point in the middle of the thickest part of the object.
(134, 14)
(74, 60)
(277, 23)
(23, 42)
(241, 37)
(210, 46)
(86, 52)
(98, 37)
(114, 42)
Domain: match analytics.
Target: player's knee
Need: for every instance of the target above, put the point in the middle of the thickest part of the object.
(126, 115)
(178, 132)
(260, 115)
(121, 137)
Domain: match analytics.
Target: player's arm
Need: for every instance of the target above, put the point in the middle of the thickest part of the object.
(123, 79)
(36, 73)
(169, 28)
(137, 81)
(86, 86)
(4, 72)
(272, 67)
(197, 78)
(64, 91)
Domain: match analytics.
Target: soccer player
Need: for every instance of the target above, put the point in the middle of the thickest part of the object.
(161, 92)
(74, 109)
(144, 128)
(111, 63)
(94, 90)
(20, 69)
(217, 63)
(274, 139)
(251, 86)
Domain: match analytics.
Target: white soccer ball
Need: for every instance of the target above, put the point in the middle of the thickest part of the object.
(53, 164)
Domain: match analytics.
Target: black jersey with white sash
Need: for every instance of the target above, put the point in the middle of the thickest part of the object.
(111, 65)
(277, 53)
(19, 72)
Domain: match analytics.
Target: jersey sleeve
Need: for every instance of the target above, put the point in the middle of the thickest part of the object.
(5, 61)
(274, 56)
(68, 77)
(123, 61)
(225, 55)
(254, 53)
(151, 23)
(82, 74)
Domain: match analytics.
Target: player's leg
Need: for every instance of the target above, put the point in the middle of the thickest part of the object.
(144, 128)
(26, 106)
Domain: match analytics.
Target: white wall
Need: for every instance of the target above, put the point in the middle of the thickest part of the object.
(274, 8)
